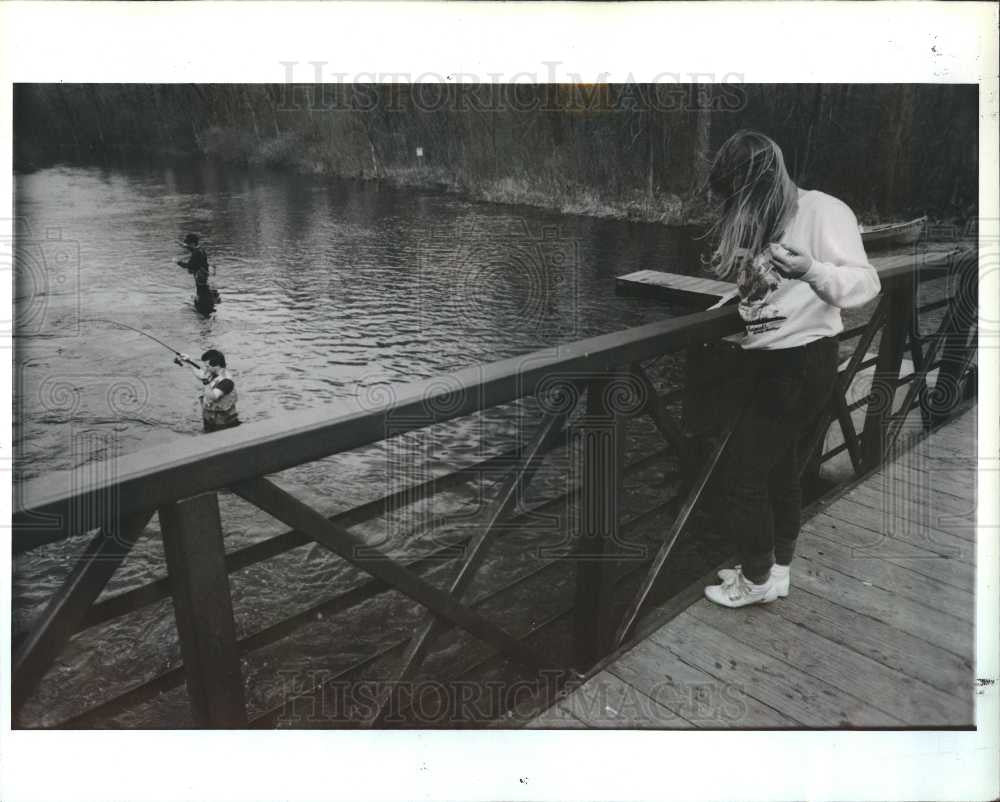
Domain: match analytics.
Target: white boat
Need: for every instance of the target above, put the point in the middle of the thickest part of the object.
(886, 235)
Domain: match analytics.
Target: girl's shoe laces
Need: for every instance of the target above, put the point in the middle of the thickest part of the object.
(737, 587)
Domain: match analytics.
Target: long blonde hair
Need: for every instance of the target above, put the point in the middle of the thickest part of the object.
(757, 196)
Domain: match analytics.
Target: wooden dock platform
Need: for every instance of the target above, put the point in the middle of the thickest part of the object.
(878, 630)
(672, 286)
(703, 291)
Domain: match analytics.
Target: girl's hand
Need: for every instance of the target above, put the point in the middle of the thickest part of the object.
(788, 261)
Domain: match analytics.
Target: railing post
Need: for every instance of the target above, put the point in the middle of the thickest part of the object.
(203, 609)
(885, 381)
(600, 456)
(959, 346)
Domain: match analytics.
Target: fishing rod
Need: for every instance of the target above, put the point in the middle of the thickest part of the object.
(177, 354)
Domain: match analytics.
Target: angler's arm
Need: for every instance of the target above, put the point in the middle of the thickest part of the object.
(200, 373)
(223, 387)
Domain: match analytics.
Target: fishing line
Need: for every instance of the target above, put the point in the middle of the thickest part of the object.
(158, 341)
(137, 331)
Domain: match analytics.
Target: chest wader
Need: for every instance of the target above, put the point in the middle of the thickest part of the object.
(218, 413)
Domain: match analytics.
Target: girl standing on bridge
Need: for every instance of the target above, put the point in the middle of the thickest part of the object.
(797, 259)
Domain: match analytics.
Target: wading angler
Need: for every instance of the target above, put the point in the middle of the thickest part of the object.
(218, 399)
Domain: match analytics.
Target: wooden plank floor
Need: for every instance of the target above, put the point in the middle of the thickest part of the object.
(878, 630)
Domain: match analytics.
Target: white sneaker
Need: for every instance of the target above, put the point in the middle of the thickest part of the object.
(740, 591)
(782, 580)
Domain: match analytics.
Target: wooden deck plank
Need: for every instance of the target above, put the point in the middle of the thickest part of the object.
(939, 456)
(892, 647)
(903, 582)
(945, 444)
(916, 532)
(921, 505)
(949, 479)
(956, 453)
(949, 445)
(606, 702)
(965, 425)
(811, 702)
(556, 718)
(939, 483)
(959, 440)
(875, 540)
(921, 561)
(963, 472)
(700, 698)
(945, 478)
(954, 469)
(959, 484)
(878, 686)
(925, 622)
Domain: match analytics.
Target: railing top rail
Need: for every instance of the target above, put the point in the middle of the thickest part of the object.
(48, 507)
(64, 503)
(923, 265)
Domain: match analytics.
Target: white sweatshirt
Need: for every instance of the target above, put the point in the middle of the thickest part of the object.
(784, 313)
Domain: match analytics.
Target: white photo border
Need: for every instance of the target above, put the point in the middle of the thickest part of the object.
(879, 42)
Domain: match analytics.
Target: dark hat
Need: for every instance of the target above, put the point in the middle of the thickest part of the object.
(191, 239)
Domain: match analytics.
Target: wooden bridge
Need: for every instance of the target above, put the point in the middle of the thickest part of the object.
(877, 631)
(586, 397)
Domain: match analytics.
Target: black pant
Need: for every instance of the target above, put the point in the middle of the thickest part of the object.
(789, 390)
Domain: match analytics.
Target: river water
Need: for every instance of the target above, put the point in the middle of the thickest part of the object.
(330, 289)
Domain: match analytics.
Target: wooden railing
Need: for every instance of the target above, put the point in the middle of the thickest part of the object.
(607, 377)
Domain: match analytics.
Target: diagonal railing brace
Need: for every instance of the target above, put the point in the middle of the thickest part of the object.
(67, 609)
(670, 431)
(550, 430)
(286, 508)
(690, 502)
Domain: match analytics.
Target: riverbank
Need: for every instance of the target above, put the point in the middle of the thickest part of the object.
(627, 152)
(545, 191)
(549, 191)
